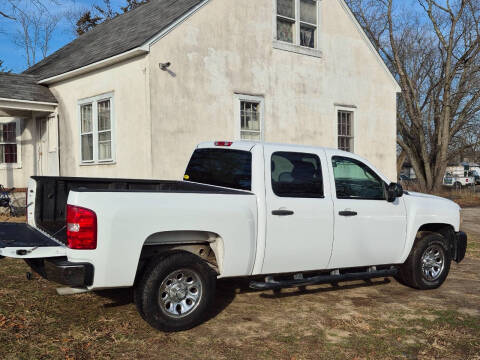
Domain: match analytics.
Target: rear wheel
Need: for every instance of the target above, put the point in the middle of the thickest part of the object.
(457, 185)
(428, 264)
(176, 292)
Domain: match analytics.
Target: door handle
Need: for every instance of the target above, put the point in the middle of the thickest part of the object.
(282, 212)
(347, 213)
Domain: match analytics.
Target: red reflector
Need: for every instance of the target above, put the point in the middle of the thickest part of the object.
(466, 180)
(223, 143)
(81, 228)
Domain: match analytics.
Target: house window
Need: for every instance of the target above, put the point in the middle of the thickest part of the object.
(297, 22)
(250, 117)
(8, 142)
(96, 128)
(345, 130)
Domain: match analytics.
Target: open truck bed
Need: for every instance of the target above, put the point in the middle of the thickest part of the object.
(51, 195)
(42, 242)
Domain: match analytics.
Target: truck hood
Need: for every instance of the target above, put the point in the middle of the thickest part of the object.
(416, 196)
(432, 209)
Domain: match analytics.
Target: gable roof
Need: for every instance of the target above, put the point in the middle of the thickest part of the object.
(24, 87)
(119, 35)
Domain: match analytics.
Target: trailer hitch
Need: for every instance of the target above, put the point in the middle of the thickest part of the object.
(23, 252)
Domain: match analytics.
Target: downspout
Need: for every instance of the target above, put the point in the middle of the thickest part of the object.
(57, 121)
(148, 110)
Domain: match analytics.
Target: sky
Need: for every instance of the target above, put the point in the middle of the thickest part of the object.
(13, 56)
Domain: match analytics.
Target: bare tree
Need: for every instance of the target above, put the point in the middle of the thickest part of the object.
(466, 143)
(10, 8)
(3, 68)
(133, 4)
(35, 32)
(434, 52)
(88, 19)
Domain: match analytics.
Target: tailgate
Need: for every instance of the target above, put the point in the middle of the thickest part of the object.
(20, 240)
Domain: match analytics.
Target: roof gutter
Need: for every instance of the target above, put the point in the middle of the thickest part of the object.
(95, 66)
(17, 104)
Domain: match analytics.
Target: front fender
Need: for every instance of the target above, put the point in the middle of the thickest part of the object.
(422, 210)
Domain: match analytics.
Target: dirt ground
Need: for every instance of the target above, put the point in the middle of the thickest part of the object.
(382, 320)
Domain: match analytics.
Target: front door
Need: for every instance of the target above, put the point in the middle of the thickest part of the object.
(369, 230)
(299, 212)
(42, 146)
(46, 143)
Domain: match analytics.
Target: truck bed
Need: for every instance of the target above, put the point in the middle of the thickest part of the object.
(52, 194)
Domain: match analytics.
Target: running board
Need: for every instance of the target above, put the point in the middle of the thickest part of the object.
(271, 284)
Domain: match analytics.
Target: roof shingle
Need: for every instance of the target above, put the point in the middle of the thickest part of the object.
(121, 34)
(24, 87)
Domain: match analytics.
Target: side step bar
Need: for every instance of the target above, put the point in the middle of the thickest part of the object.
(271, 284)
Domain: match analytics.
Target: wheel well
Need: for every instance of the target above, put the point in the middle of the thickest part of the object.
(443, 229)
(446, 230)
(206, 245)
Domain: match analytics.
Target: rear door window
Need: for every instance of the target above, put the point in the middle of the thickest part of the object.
(221, 167)
(296, 175)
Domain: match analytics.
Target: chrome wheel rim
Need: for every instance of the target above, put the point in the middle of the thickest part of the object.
(433, 262)
(180, 293)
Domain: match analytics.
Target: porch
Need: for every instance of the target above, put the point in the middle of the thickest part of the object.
(28, 130)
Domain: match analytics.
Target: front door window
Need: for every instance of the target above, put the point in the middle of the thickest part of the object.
(355, 180)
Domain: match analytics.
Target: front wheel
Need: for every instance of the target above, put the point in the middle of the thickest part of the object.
(428, 264)
(176, 292)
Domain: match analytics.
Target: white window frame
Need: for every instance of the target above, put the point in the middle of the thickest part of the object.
(94, 101)
(295, 46)
(18, 138)
(238, 125)
(353, 110)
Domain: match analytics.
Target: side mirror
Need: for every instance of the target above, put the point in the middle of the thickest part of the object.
(394, 191)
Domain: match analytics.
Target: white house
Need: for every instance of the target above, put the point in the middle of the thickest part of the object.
(133, 96)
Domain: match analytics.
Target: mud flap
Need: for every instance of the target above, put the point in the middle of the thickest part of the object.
(22, 241)
(460, 246)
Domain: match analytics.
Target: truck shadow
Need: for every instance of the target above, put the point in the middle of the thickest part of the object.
(228, 289)
(119, 297)
(240, 286)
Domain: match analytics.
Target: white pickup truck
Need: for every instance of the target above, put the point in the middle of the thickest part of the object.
(284, 215)
(459, 180)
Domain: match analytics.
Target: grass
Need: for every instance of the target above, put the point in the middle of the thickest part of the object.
(382, 320)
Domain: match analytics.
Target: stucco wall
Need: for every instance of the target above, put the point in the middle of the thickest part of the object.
(127, 82)
(223, 49)
(16, 175)
(226, 48)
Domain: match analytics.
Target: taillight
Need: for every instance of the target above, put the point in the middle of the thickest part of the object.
(81, 228)
(223, 143)
(466, 180)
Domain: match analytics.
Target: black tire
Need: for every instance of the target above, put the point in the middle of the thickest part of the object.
(194, 289)
(457, 185)
(412, 273)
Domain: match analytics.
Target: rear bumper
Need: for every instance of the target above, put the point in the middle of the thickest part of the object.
(61, 271)
(460, 246)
